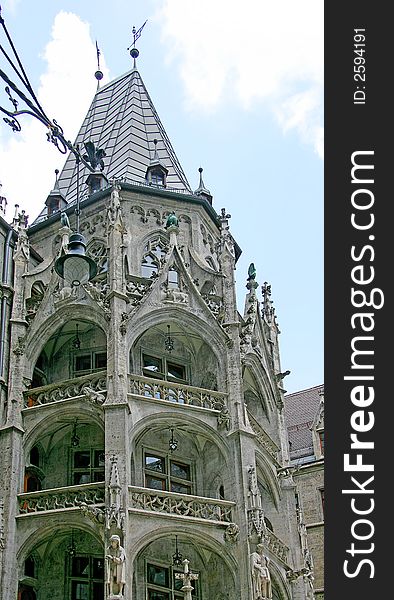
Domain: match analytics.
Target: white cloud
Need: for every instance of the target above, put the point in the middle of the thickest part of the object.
(255, 50)
(65, 92)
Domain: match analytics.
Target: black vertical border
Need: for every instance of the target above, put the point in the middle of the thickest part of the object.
(349, 128)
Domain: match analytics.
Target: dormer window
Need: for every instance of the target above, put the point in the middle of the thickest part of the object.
(157, 178)
(156, 173)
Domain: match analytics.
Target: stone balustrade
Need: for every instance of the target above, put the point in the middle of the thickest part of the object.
(93, 386)
(61, 498)
(184, 505)
(274, 544)
(264, 438)
(147, 387)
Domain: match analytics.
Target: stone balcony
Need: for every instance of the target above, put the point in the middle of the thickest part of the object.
(179, 393)
(183, 506)
(60, 499)
(276, 546)
(92, 386)
(264, 439)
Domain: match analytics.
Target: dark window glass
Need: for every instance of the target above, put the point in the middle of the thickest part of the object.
(174, 370)
(98, 568)
(33, 484)
(158, 575)
(81, 459)
(81, 478)
(79, 591)
(154, 595)
(100, 360)
(179, 470)
(98, 591)
(99, 458)
(155, 483)
(152, 363)
(80, 566)
(321, 437)
(180, 488)
(221, 492)
(155, 463)
(35, 456)
(83, 362)
(30, 567)
(98, 476)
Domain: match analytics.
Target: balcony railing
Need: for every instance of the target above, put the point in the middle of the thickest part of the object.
(171, 503)
(278, 548)
(147, 387)
(93, 386)
(264, 438)
(61, 498)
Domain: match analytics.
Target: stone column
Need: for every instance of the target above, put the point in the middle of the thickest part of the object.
(116, 408)
(11, 434)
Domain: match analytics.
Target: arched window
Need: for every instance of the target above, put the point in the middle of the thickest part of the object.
(35, 456)
(154, 252)
(30, 567)
(97, 250)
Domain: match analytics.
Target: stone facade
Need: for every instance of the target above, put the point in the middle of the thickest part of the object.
(304, 412)
(142, 414)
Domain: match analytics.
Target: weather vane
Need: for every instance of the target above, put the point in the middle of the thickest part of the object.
(136, 34)
(98, 74)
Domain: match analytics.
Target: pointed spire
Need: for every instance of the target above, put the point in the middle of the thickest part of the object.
(202, 190)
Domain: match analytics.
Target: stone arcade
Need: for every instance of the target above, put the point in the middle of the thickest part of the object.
(140, 412)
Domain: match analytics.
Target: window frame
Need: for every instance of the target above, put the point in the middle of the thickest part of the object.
(90, 579)
(171, 591)
(165, 360)
(91, 469)
(166, 477)
(93, 353)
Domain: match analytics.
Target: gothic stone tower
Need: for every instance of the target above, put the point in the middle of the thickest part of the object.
(143, 415)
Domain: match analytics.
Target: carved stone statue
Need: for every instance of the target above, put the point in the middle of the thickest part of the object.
(261, 578)
(116, 572)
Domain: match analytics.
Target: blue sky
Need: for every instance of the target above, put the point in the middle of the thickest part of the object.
(239, 90)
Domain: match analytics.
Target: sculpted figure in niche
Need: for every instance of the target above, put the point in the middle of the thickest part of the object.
(261, 579)
(115, 559)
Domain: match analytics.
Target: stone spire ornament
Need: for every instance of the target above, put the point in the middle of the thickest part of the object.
(187, 577)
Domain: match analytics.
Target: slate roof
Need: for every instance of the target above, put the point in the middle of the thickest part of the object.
(123, 121)
(300, 411)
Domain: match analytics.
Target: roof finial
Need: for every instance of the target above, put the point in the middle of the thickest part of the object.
(202, 190)
(134, 52)
(98, 74)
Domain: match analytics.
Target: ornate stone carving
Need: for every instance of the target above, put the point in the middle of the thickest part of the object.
(115, 514)
(180, 504)
(231, 534)
(255, 509)
(187, 577)
(89, 384)
(176, 392)
(95, 514)
(61, 498)
(19, 349)
(93, 396)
